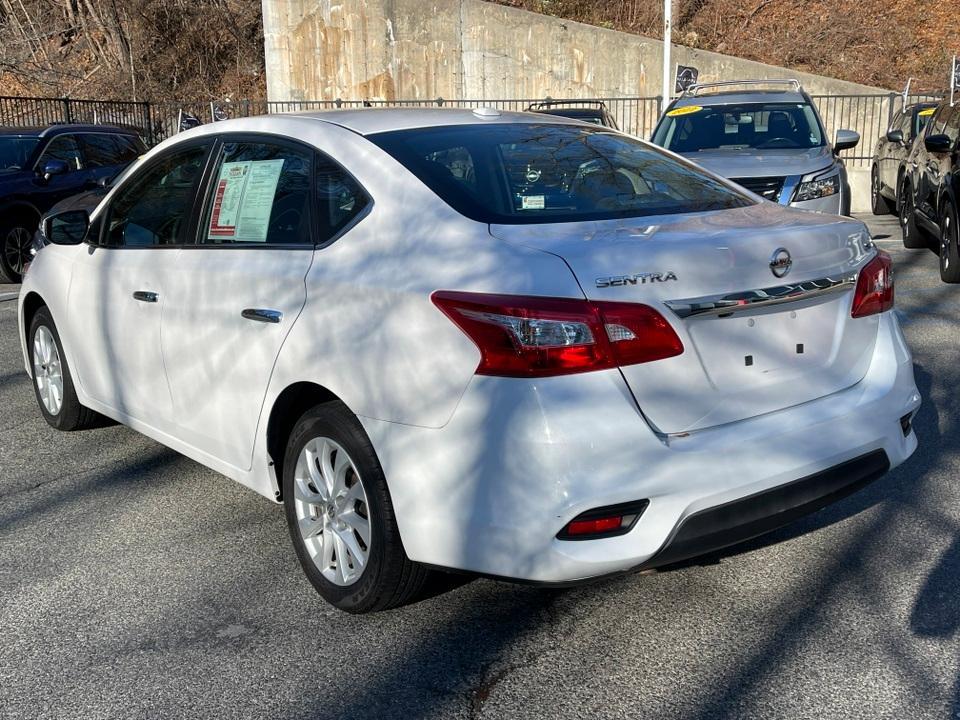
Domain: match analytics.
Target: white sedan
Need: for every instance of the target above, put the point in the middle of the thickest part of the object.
(501, 343)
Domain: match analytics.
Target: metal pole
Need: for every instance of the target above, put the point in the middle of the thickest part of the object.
(667, 28)
(953, 77)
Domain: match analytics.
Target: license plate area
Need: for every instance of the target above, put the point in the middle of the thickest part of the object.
(742, 350)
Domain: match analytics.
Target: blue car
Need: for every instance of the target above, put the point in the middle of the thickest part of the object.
(39, 167)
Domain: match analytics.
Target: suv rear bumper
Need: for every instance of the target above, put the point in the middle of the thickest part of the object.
(489, 491)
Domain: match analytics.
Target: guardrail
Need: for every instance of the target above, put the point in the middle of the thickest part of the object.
(870, 115)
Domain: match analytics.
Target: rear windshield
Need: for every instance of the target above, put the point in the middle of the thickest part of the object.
(535, 173)
(760, 126)
(15, 151)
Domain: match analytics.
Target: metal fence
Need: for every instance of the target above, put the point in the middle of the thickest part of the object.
(870, 115)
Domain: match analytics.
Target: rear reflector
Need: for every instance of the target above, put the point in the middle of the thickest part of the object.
(602, 522)
(874, 293)
(521, 336)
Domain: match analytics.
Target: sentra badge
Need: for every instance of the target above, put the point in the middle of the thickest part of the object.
(636, 279)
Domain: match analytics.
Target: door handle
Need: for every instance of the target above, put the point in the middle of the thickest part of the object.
(145, 296)
(262, 315)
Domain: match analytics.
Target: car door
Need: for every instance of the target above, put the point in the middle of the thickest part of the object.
(118, 288)
(48, 191)
(238, 291)
(886, 151)
(949, 162)
(932, 168)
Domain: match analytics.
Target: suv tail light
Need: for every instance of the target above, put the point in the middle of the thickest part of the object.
(520, 336)
(874, 293)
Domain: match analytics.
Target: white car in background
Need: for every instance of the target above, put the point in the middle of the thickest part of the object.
(501, 343)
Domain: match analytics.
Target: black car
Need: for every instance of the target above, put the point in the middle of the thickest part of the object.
(890, 156)
(39, 167)
(591, 111)
(931, 189)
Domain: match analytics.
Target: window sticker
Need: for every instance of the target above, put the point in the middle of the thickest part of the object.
(532, 202)
(927, 111)
(688, 110)
(244, 200)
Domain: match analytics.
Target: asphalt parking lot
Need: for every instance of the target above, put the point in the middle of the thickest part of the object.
(135, 583)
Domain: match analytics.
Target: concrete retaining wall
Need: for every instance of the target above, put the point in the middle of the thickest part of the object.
(410, 49)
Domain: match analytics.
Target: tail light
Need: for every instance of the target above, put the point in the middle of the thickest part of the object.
(602, 522)
(521, 336)
(874, 293)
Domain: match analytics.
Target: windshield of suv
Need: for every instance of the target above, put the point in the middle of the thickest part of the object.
(759, 126)
(14, 152)
(533, 173)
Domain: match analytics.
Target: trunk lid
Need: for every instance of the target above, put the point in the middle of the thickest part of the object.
(737, 363)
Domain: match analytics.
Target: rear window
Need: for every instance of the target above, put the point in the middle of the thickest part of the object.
(535, 173)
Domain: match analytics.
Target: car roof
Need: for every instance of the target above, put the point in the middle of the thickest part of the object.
(368, 121)
(741, 98)
(40, 131)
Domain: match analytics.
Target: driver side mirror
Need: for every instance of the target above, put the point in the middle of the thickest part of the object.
(845, 140)
(938, 143)
(54, 167)
(895, 136)
(67, 228)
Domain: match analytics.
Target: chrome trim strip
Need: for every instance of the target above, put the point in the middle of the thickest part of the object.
(728, 303)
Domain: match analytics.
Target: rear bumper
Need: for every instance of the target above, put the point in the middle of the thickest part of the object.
(745, 518)
(489, 491)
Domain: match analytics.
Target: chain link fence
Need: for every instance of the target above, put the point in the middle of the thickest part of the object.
(870, 115)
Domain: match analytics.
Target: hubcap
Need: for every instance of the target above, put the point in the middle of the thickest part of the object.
(875, 187)
(333, 514)
(47, 371)
(16, 249)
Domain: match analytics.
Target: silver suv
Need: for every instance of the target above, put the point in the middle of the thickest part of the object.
(765, 135)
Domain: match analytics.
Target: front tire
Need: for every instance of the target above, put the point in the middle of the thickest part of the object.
(16, 240)
(340, 515)
(912, 237)
(52, 380)
(878, 203)
(949, 241)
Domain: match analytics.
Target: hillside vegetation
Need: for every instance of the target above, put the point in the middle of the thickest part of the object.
(213, 49)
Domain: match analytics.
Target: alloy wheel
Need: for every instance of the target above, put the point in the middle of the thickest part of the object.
(946, 237)
(875, 188)
(332, 511)
(16, 248)
(47, 370)
(906, 209)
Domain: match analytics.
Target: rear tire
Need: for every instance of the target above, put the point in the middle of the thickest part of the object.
(949, 241)
(912, 235)
(16, 239)
(878, 203)
(52, 381)
(340, 515)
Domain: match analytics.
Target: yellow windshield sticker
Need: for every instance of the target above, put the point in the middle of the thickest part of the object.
(928, 111)
(688, 110)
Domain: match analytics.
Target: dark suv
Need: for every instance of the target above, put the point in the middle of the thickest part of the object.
(591, 111)
(890, 155)
(931, 189)
(41, 166)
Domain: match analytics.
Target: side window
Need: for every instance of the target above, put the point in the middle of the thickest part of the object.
(897, 122)
(261, 195)
(952, 126)
(339, 198)
(153, 207)
(128, 148)
(99, 150)
(65, 148)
